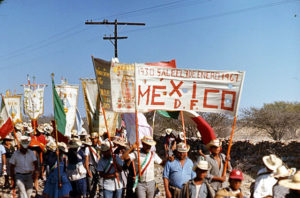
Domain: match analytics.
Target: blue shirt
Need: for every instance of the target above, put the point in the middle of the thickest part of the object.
(112, 183)
(178, 175)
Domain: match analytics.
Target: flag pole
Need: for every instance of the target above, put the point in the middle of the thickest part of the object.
(153, 121)
(233, 126)
(57, 153)
(229, 146)
(111, 151)
(56, 138)
(137, 141)
(183, 126)
(136, 127)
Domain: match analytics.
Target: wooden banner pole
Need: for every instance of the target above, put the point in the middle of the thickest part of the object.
(137, 141)
(183, 126)
(109, 139)
(57, 153)
(153, 121)
(229, 146)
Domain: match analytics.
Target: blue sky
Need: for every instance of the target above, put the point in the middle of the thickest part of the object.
(259, 37)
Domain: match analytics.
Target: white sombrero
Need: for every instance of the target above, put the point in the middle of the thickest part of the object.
(182, 147)
(75, 143)
(25, 141)
(105, 146)
(216, 143)
(282, 171)
(62, 146)
(293, 183)
(169, 131)
(201, 164)
(272, 162)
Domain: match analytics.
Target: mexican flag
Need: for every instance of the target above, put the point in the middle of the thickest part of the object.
(6, 124)
(59, 112)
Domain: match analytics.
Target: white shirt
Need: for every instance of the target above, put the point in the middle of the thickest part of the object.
(2, 152)
(264, 185)
(148, 175)
(197, 190)
(23, 162)
(92, 155)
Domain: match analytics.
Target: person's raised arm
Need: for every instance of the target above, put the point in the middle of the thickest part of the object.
(125, 156)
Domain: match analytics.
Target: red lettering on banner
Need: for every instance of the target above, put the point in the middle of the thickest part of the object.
(194, 90)
(143, 94)
(193, 103)
(177, 103)
(156, 95)
(233, 93)
(205, 105)
(175, 88)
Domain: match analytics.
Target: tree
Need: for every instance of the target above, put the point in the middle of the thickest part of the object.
(1, 1)
(278, 119)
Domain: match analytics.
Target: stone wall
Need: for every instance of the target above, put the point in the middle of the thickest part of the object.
(247, 155)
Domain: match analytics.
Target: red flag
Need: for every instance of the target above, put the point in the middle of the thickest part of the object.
(171, 64)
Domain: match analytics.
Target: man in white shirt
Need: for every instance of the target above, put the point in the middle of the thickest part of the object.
(265, 181)
(145, 186)
(23, 167)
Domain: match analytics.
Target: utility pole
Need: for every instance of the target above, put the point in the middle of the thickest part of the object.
(115, 37)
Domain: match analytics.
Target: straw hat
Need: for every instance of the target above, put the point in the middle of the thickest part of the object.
(83, 132)
(74, 132)
(293, 183)
(168, 131)
(29, 130)
(105, 146)
(148, 140)
(25, 124)
(94, 135)
(40, 128)
(216, 143)
(9, 137)
(201, 164)
(119, 141)
(272, 162)
(25, 141)
(87, 142)
(181, 135)
(51, 145)
(75, 143)
(62, 146)
(48, 128)
(182, 147)
(19, 126)
(282, 171)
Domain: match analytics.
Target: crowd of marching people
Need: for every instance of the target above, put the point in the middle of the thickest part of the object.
(91, 166)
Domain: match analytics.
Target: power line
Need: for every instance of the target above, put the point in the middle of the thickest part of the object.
(213, 16)
(16, 52)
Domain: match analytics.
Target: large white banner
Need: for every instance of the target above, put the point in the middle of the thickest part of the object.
(13, 106)
(160, 88)
(122, 87)
(33, 103)
(93, 109)
(68, 94)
